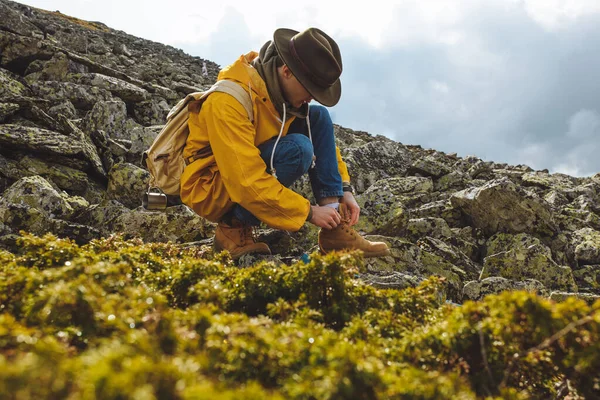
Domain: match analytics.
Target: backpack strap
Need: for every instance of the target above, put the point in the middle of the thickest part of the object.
(225, 86)
(236, 90)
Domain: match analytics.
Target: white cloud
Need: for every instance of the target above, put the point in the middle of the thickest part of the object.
(513, 81)
(557, 14)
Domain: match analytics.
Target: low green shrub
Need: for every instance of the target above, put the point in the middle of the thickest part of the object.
(120, 319)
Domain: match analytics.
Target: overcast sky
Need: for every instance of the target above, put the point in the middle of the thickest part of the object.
(515, 81)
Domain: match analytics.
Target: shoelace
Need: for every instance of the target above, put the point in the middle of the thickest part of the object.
(249, 233)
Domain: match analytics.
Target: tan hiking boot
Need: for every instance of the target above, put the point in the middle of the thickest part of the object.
(343, 237)
(238, 239)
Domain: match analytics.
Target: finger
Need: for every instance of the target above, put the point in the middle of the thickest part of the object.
(355, 216)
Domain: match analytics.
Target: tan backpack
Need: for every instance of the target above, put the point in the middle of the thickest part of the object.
(164, 159)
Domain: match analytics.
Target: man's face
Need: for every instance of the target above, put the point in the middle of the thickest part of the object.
(293, 91)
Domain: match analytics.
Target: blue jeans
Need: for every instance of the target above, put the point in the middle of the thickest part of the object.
(293, 158)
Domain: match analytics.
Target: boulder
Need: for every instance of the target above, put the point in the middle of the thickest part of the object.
(418, 228)
(562, 296)
(151, 112)
(22, 217)
(428, 166)
(177, 224)
(47, 142)
(375, 160)
(522, 257)
(110, 117)
(502, 206)
(65, 108)
(36, 192)
(142, 138)
(127, 184)
(586, 242)
(557, 182)
(11, 87)
(587, 278)
(69, 179)
(451, 254)
(82, 97)
(124, 90)
(382, 208)
(477, 290)
(7, 110)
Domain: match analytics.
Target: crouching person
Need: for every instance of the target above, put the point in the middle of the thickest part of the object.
(240, 170)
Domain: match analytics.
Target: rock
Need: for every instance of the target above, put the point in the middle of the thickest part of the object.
(40, 140)
(411, 259)
(142, 139)
(382, 210)
(11, 87)
(562, 296)
(451, 254)
(558, 182)
(391, 280)
(80, 234)
(586, 242)
(526, 261)
(477, 290)
(101, 216)
(110, 117)
(452, 180)
(127, 184)
(13, 21)
(7, 110)
(124, 90)
(37, 193)
(501, 206)
(442, 209)
(588, 277)
(428, 166)
(66, 178)
(55, 69)
(24, 217)
(556, 198)
(82, 97)
(469, 241)
(375, 160)
(177, 224)
(151, 112)
(65, 108)
(405, 256)
(18, 51)
(418, 228)
(87, 146)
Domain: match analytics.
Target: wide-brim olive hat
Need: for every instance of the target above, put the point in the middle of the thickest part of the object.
(315, 60)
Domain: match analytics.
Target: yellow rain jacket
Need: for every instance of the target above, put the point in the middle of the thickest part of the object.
(235, 171)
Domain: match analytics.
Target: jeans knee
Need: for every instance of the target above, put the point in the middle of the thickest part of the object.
(304, 150)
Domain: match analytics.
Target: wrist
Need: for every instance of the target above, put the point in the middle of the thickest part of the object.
(310, 214)
(347, 187)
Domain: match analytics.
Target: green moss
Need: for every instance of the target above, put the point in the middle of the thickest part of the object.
(119, 319)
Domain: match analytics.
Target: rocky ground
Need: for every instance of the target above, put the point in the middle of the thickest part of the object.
(80, 102)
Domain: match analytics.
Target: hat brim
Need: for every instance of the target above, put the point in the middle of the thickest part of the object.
(326, 96)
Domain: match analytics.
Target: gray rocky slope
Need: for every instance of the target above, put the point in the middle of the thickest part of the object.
(80, 102)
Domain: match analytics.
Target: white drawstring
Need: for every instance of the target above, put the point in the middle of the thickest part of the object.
(312, 164)
(273, 172)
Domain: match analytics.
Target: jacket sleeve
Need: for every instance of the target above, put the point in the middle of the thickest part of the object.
(342, 166)
(244, 173)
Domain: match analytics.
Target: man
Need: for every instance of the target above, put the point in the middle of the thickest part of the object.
(242, 169)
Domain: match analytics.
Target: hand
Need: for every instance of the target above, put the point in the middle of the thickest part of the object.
(325, 217)
(353, 207)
